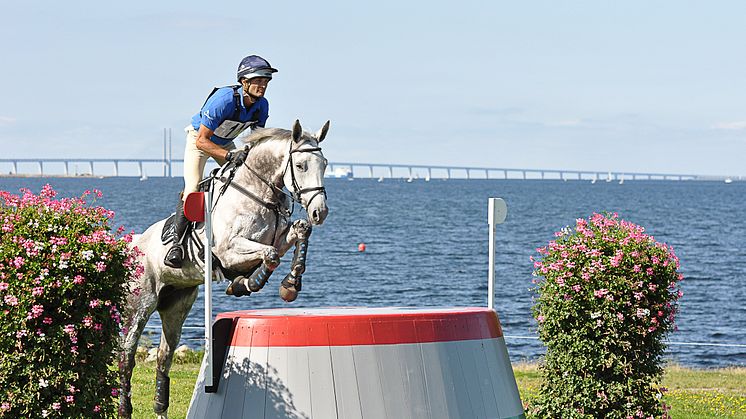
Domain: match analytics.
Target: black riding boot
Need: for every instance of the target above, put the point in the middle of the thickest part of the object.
(175, 255)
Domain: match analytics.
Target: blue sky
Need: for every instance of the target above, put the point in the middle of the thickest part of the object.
(592, 85)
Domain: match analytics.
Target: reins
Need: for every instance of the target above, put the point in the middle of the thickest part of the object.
(296, 194)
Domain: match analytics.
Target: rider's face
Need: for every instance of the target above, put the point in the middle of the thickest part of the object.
(256, 86)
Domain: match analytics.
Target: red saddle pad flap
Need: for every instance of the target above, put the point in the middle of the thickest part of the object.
(194, 207)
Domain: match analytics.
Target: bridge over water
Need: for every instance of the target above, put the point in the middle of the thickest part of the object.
(411, 171)
(168, 167)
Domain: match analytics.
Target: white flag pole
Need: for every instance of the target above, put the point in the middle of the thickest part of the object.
(497, 212)
(209, 379)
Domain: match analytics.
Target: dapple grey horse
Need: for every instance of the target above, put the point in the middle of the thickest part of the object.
(251, 229)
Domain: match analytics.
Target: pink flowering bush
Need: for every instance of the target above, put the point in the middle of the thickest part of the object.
(62, 283)
(607, 297)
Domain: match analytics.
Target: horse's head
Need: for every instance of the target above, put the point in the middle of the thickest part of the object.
(304, 175)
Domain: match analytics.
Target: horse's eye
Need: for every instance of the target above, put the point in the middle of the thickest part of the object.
(300, 166)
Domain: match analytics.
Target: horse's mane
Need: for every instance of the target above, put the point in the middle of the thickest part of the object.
(263, 135)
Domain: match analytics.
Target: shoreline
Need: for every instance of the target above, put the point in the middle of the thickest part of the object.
(37, 175)
(384, 179)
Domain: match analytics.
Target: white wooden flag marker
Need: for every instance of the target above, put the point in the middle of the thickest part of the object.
(498, 210)
(198, 208)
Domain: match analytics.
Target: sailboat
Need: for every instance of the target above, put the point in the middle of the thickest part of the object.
(621, 181)
(595, 178)
(144, 176)
(608, 178)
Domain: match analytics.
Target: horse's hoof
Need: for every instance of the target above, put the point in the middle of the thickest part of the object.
(237, 288)
(289, 288)
(125, 410)
(288, 294)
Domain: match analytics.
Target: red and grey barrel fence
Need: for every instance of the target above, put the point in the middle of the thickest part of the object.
(348, 363)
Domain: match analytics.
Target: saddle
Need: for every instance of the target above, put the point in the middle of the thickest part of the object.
(195, 248)
(168, 226)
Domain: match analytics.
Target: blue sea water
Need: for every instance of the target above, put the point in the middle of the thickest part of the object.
(427, 245)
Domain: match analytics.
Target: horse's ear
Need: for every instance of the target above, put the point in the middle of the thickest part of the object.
(297, 131)
(322, 132)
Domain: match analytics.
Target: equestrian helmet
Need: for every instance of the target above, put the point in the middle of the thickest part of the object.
(255, 66)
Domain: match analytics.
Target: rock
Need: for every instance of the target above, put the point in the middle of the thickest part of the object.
(182, 351)
(152, 355)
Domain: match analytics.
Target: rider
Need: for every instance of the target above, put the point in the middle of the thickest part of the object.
(225, 114)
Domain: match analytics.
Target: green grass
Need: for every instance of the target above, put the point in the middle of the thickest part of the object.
(692, 393)
(183, 377)
(719, 393)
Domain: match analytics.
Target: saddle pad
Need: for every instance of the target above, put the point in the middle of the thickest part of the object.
(168, 228)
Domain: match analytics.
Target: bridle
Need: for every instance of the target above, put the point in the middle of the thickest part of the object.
(298, 192)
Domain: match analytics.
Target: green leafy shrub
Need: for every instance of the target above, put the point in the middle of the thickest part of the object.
(62, 283)
(606, 297)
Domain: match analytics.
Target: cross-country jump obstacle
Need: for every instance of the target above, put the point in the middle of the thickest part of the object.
(347, 363)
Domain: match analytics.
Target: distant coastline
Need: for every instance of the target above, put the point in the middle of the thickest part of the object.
(50, 175)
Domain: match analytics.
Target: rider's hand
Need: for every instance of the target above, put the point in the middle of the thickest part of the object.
(236, 157)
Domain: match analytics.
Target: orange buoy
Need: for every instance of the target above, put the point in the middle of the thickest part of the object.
(361, 247)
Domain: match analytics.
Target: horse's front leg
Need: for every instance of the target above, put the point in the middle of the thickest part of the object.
(298, 235)
(242, 252)
(173, 307)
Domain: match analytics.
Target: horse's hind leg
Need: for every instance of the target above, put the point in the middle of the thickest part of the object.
(270, 260)
(141, 306)
(173, 307)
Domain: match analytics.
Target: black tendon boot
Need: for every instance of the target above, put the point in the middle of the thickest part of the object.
(175, 255)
